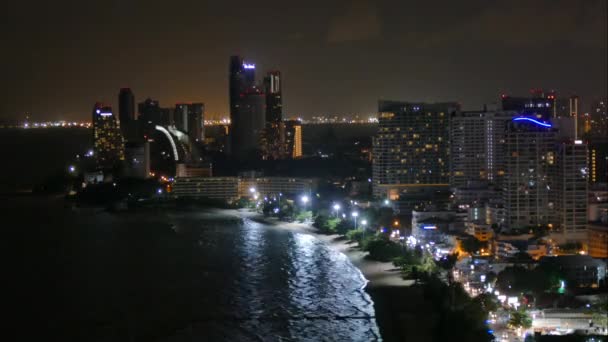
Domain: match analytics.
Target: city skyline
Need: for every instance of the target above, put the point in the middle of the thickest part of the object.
(355, 54)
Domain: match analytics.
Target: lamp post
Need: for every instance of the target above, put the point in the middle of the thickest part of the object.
(336, 209)
(355, 215)
(363, 223)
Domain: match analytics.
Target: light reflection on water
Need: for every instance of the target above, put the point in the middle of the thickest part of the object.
(289, 286)
(182, 276)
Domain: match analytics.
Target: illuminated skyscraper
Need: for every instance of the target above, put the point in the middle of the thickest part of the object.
(242, 77)
(273, 138)
(247, 124)
(274, 104)
(571, 190)
(528, 187)
(189, 118)
(108, 141)
(247, 110)
(478, 148)
(293, 139)
(540, 104)
(411, 149)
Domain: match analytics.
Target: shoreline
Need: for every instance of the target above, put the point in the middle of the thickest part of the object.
(398, 305)
(378, 274)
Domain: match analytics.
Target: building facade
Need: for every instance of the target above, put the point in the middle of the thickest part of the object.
(571, 190)
(530, 165)
(247, 110)
(107, 138)
(220, 188)
(478, 148)
(137, 159)
(126, 109)
(190, 118)
(411, 148)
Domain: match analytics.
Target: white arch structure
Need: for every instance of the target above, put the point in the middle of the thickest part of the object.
(168, 135)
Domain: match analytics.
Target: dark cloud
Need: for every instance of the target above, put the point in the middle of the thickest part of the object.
(522, 23)
(360, 21)
(337, 56)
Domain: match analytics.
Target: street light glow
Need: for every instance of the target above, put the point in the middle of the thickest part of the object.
(336, 206)
(304, 199)
(355, 214)
(252, 190)
(363, 222)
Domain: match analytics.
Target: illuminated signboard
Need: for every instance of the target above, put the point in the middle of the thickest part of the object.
(429, 227)
(248, 66)
(105, 114)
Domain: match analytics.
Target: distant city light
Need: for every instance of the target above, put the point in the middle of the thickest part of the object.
(72, 168)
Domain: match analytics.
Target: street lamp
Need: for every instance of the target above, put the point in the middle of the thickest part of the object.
(363, 223)
(386, 202)
(252, 190)
(304, 199)
(355, 215)
(336, 208)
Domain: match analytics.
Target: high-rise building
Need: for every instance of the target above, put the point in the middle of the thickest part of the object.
(242, 78)
(107, 139)
(247, 123)
(189, 118)
(126, 106)
(150, 115)
(273, 138)
(571, 190)
(247, 109)
(126, 115)
(530, 166)
(598, 160)
(274, 104)
(411, 148)
(540, 104)
(599, 119)
(293, 139)
(478, 148)
(573, 105)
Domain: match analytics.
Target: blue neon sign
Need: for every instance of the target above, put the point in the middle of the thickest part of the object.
(540, 123)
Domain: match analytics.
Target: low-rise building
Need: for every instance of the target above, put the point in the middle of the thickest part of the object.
(185, 171)
(597, 241)
(579, 270)
(222, 188)
(482, 232)
(288, 186)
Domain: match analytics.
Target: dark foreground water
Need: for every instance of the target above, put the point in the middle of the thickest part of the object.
(179, 276)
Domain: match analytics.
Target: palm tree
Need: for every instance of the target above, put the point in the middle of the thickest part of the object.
(520, 319)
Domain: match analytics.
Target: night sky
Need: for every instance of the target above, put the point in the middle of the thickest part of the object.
(59, 57)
